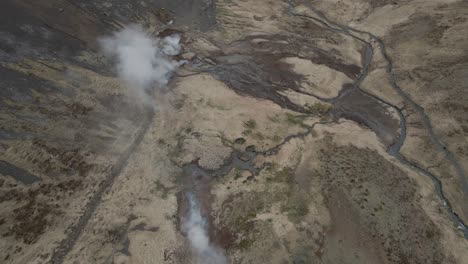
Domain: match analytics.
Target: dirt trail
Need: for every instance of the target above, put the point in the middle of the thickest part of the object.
(74, 232)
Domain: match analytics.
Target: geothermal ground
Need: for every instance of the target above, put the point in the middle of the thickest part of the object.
(234, 131)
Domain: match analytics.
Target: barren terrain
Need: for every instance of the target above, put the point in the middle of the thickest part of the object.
(299, 131)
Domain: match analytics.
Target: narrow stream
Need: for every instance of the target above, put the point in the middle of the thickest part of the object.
(394, 149)
(197, 181)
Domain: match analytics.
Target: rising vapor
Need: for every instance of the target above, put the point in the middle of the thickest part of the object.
(195, 228)
(144, 63)
(141, 61)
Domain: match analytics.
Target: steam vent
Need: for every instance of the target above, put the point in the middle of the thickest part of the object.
(234, 131)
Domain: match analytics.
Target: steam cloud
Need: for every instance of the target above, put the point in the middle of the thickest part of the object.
(195, 227)
(141, 61)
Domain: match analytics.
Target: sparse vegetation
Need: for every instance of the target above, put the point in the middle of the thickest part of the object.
(284, 175)
(276, 138)
(295, 207)
(293, 200)
(239, 217)
(319, 108)
(250, 124)
(239, 141)
(161, 189)
(258, 136)
(247, 132)
(211, 104)
(295, 120)
(245, 243)
(240, 104)
(179, 103)
(250, 148)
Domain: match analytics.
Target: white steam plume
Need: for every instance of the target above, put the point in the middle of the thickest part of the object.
(195, 227)
(142, 62)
